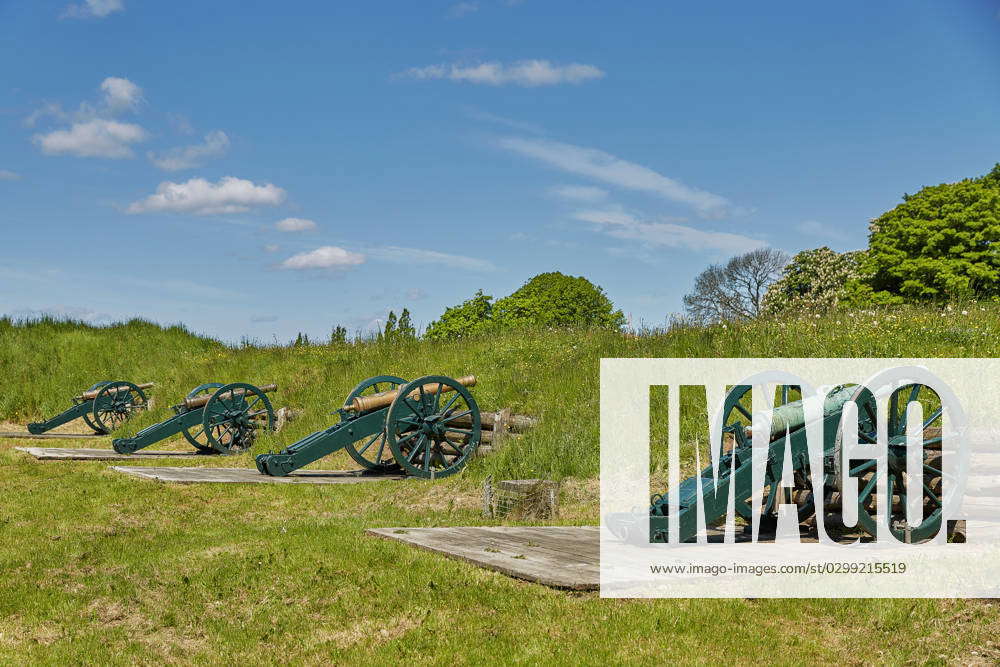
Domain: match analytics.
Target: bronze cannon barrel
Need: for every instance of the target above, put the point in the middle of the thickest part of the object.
(385, 398)
(200, 401)
(92, 394)
(792, 416)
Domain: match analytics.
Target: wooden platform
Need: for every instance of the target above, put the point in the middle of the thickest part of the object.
(251, 476)
(566, 557)
(84, 454)
(51, 436)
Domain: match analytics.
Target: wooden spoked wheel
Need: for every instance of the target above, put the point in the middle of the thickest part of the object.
(234, 414)
(196, 434)
(433, 432)
(737, 418)
(371, 452)
(899, 485)
(115, 404)
(86, 417)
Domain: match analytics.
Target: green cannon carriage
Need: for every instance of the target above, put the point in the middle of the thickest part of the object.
(788, 432)
(429, 428)
(215, 418)
(104, 407)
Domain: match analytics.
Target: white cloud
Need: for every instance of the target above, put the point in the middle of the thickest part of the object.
(580, 193)
(523, 73)
(417, 256)
(121, 94)
(619, 224)
(325, 257)
(460, 9)
(188, 157)
(295, 225)
(272, 247)
(92, 138)
(200, 197)
(8, 175)
(607, 168)
(488, 117)
(816, 228)
(92, 9)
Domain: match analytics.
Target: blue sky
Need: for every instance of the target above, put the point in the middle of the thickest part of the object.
(258, 169)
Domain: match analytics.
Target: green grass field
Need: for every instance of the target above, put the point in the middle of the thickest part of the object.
(99, 567)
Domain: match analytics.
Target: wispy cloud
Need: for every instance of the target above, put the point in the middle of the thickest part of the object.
(528, 73)
(258, 319)
(93, 138)
(200, 197)
(615, 222)
(580, 193)
(8, 175)
(326, 257)
(93, 129)
(460, 9)
(607, 168)
(92, 9)
(417, 256)
(818, 229)
(487, 117)
(216, 143)
(295, 225)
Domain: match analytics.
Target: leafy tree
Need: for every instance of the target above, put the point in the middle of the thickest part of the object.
(943, 242)
(468, 318)
(404, 328)
(301, 340)
(389, 332)
(338, 336)
(734, 290)
(557, 300)
(816, 279)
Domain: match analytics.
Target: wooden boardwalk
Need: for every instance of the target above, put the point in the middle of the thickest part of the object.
(50, 436)
(194, 475)
(566, 557)
(85, 454)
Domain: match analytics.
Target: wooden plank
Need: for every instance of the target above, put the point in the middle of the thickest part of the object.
(194, 475)
(51, 436)
(566, 557)
(85, 454)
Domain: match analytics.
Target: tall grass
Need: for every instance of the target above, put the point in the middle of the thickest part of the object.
(552, 373)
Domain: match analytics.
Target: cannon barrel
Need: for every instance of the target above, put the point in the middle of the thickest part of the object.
(92, 394)
(385, 398)
(200, 401)
(792, 416)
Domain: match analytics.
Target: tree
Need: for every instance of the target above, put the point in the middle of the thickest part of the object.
(817, 279)
(404, 328)
(547, 300)
(389, 332)
(338, 336)
(734, 290)
(943, 242)
(557, 300)
(468, 318)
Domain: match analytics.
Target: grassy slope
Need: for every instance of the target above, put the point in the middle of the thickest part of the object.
(102, 567)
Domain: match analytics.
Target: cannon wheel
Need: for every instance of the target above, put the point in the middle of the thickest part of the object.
(86, 417)
(737, 414)
(896, 477)
(125, 398)
(423, 431)
(196, 434)
(372, 454)
(231, 420)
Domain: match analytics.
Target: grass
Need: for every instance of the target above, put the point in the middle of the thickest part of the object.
(99, 567)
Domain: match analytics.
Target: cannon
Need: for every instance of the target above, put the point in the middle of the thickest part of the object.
(428, 428)
(788, 431)
(104, 407)
(215, 418)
